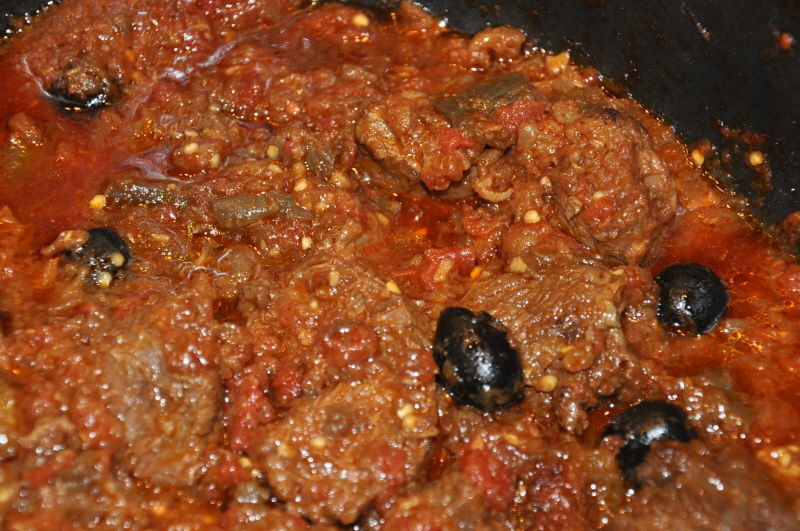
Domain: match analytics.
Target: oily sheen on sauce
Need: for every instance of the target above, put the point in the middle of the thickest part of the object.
(273, 266)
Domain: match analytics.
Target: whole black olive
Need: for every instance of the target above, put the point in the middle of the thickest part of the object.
(477, 365)
(693, 298)
(105, 253)
(642, 425)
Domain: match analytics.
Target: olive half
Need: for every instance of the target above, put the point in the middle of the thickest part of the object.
(643, 424)
(105, 253)
(477, 364)
(83, 86)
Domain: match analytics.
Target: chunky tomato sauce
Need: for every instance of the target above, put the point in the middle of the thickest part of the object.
(276, 266)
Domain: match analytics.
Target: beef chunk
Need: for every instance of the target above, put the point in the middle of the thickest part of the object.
(412, 140)
(167, 401)
(612, 192)
(565, 323)
(333, 312)
(453, 502)
(356, 421)
(687, 487)
(167, 418)
(547, 498)
(330, 457)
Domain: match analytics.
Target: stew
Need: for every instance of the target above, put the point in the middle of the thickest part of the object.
(269, 265)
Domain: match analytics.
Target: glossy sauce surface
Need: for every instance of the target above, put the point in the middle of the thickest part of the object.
(273, 368)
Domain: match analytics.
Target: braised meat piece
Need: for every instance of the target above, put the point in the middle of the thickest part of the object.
(612, 192)
(565, 323)
(412, 140)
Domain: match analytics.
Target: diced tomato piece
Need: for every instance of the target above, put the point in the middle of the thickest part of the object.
(451, 139)
(249, 408)
(489, 473)
(523, 110)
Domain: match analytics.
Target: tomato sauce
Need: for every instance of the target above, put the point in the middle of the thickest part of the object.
(229, 232)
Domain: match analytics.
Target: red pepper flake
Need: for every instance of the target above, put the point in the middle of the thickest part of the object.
(785, 41)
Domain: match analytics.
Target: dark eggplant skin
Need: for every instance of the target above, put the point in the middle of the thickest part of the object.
(692, 298)
(477, 364)
(642, 425)
(105, 253)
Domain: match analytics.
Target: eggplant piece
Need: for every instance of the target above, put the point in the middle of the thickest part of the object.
(241, 210)
(131, 193)
(484, 97)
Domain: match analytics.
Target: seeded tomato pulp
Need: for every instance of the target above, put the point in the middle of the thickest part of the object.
(269, 265)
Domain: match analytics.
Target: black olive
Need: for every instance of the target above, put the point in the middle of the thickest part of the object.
(642, 425)
(477, 365)
(73, 103)
(693, 298)
(105, 253)
(83, 87)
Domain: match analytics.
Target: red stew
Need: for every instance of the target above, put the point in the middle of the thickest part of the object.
(229, 232)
